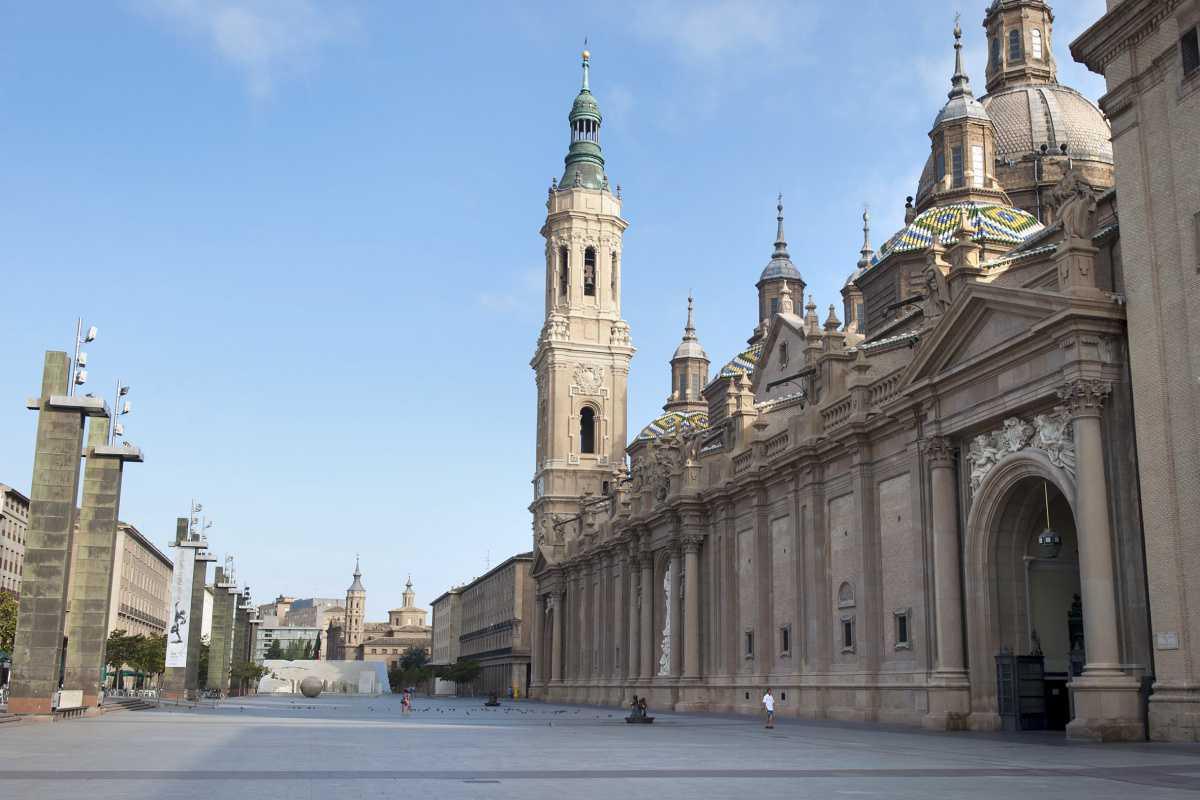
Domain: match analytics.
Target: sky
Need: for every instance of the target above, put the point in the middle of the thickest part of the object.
(308, 235)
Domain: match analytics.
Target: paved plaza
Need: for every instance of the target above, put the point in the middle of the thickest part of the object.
(350, 747)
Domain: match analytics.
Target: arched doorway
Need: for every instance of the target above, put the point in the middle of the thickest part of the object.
(1023, 594)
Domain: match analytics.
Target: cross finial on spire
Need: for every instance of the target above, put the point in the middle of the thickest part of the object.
(867, 251)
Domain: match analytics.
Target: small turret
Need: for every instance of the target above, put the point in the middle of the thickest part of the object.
(689, 370)
(779, 272)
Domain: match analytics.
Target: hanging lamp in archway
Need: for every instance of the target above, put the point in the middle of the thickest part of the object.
(1049, 542)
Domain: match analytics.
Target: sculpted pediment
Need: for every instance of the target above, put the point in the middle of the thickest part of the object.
(985, 319)
(782, 358)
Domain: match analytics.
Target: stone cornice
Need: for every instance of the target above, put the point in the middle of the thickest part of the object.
(1125, 26)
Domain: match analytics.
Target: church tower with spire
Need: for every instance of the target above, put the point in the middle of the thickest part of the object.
(779, 272)
(689, 371)
(583, 353)
(356, 602)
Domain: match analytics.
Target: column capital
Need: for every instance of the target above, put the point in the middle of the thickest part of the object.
(940, 452)
(1085, 397)
(691, 543)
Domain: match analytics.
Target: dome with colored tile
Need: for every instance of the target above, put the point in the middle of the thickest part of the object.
(993, 222)
(674, 423)
(743, 363)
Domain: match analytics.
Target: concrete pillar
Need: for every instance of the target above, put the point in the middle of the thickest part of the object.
(691, 616)
(92, 568)
(241, 628)
(220, 642)
(1107, 703)
(38, 646)
(950, 702)
(556, 636)
(676, 611)
(633, 614)
(183, 683)
(647, 625)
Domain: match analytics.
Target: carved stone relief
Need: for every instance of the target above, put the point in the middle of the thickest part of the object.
(664, 660)
(589, 378)
(1050, 433)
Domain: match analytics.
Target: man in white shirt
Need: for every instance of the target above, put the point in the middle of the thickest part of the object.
(769, 704)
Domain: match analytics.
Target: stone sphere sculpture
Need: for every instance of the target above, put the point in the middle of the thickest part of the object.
(310, 686)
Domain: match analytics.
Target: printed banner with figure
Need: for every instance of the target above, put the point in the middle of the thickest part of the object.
(181, 606)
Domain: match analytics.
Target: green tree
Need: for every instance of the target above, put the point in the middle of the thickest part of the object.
(245, 673)
(307, 649)
(275, 650)
(150, 654)
(464, 671)
(8, 620)
(120, 650)
(414, 658)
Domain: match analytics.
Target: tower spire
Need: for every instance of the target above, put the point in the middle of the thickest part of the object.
(780, 240)
(867, 252)
(584, 164)
(586, 57)
(689, 330)
(960, 84)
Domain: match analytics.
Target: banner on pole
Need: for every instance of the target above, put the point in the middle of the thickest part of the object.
(181, 606)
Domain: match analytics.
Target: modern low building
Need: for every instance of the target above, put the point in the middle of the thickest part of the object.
(286, 635)
(14, 520)
(494, 629)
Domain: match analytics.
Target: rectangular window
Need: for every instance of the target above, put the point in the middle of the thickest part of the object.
(848, 634)
(749, 641)
(956, 163)
(977, 166)
(1014, 44)
(564, 271)
(785, 640)
(939, 163)
(1035, 43)
(903, 634)
(1189, 49)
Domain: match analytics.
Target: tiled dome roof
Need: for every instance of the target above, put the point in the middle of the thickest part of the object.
(743, 363)
(992, 222)
(1026, 117)
(675, 422)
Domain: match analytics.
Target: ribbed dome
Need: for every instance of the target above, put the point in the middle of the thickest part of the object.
(1026, 117)
(689, 348)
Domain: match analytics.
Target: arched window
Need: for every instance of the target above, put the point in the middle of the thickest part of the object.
(1035, 43)
(564, 272)
(587, 430)
(1014, 44)
(589, 272)
(845, 595)
(995, 53)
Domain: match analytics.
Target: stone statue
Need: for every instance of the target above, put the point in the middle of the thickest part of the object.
(1076, 203)
(982, 455)
(937, 293)
(1054, 437)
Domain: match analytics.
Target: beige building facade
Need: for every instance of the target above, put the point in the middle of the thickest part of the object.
(1149, 54)
(494, 627)
(349, 638)
(447, 623)
(141, 595)
(890, 515)
(14, 521)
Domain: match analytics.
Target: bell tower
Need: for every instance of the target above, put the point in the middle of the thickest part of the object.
(583, 353)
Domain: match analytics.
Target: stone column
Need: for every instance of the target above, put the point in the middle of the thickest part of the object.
(1107, 705)
(691, 616)
(647, 648)
(588, 609)
(634, 615)
(617, 669)
(556, 636)
(241, 627)
(950, 702)
(535, 649)
(38, 646)
(676, 611)
(92, 566)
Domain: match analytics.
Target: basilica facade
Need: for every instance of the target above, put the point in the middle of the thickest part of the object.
(912, 510)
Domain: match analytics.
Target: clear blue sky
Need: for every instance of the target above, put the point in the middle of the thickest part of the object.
(308, 234)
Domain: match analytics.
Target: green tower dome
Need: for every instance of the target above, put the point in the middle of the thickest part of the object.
(584, 164)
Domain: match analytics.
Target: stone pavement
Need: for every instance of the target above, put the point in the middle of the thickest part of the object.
(349, 747)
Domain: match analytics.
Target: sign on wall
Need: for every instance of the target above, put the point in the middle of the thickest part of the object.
(181, 606)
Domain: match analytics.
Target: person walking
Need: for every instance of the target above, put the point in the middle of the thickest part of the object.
(768, 702)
